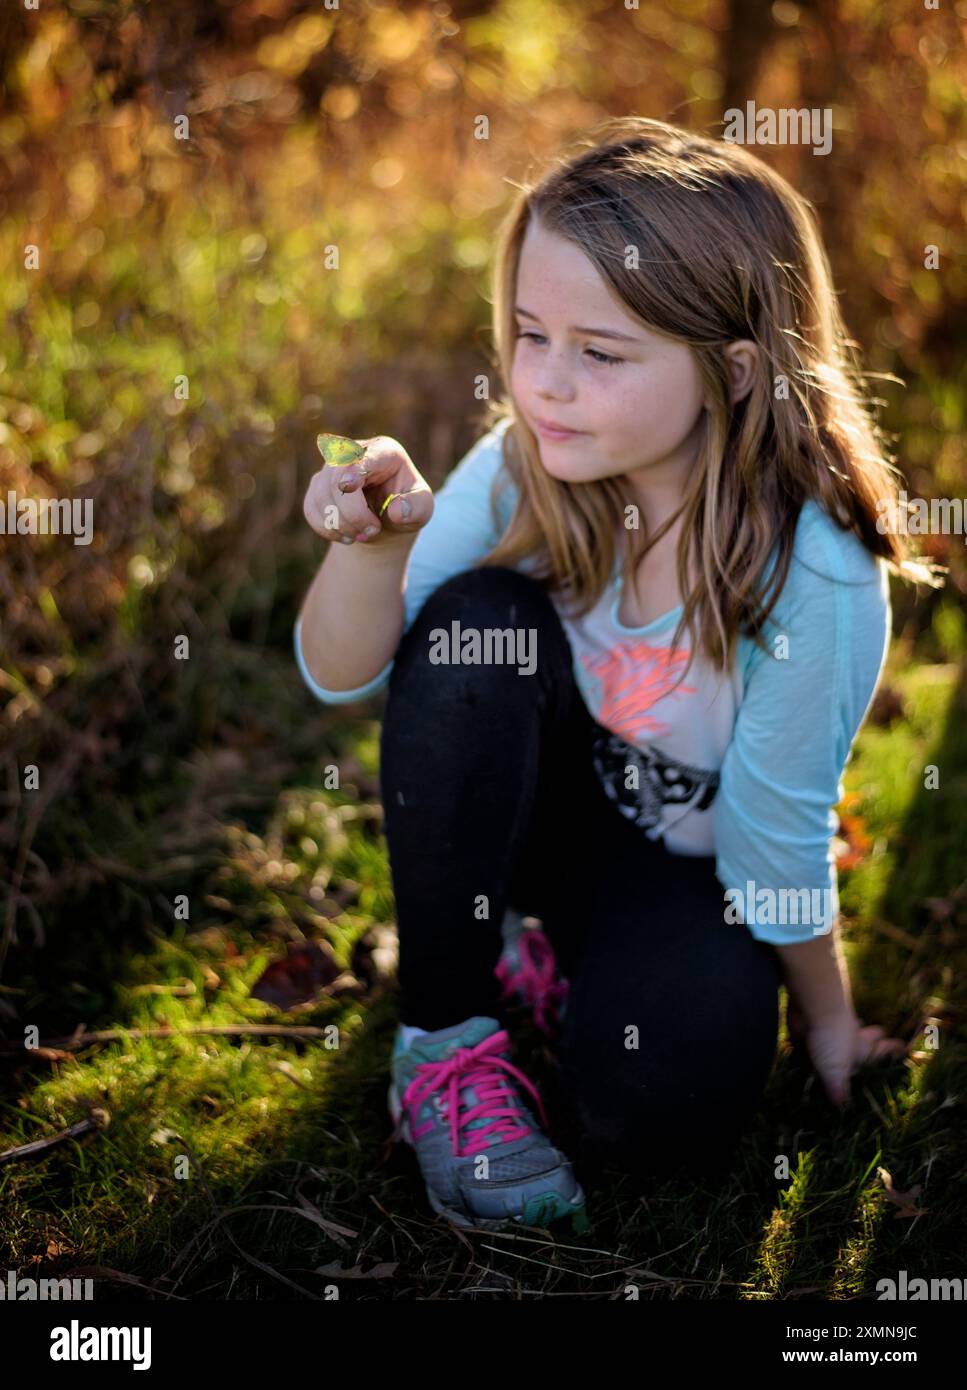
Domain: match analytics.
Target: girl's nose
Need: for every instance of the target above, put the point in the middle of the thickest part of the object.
(553, 380)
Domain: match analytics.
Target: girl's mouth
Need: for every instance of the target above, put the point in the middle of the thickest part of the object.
(554, 432)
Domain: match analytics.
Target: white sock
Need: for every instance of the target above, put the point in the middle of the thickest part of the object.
(408, 1032)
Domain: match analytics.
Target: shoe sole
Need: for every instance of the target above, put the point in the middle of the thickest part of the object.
(539, 1210)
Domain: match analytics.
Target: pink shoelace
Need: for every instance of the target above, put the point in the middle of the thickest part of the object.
(477, 1067)
(534, 979)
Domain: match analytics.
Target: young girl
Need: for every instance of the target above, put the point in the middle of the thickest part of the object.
(628, 648)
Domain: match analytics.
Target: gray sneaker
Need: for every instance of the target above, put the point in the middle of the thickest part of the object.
(484, 1160)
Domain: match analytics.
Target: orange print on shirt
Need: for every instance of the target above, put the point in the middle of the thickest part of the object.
(634, 676)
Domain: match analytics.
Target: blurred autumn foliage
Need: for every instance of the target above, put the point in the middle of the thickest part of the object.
(204, 258)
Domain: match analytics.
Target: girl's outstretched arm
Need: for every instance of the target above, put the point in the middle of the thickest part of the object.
(351, 619)
(817, 977)
(821, 1014)
(781, 778)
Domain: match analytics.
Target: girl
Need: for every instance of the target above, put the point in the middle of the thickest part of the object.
(628, 648)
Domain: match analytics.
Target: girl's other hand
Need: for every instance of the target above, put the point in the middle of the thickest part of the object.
(349, 502)
(838, 1044)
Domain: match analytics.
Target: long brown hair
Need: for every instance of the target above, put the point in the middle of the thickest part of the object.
(729, 250)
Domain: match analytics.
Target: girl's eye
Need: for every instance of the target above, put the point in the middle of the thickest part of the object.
(604, 359)
(601, 357)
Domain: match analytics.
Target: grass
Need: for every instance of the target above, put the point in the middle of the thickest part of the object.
(250, 1167)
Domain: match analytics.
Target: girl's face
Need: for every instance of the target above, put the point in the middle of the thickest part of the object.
(636, 401)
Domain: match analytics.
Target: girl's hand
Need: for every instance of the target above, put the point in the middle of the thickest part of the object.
(837, 1045)
(348, 501)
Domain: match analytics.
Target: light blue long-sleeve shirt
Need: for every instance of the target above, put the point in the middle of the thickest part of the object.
(745, 765)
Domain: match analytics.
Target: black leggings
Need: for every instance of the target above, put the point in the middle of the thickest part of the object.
(491, 799)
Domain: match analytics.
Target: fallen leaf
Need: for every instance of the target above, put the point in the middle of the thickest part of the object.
(297, 977)
(853, 844)
(904, 1201)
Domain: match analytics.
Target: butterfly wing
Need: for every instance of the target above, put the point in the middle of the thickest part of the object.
(338, 451)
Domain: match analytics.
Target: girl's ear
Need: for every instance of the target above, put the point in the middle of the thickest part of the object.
(743, 359)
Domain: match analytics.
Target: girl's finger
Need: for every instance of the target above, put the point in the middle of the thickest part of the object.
(835, 1078)
(351, 518)
(873, 1048)
(401, 506)
(837, 1090)
(352, 478)
(405, 508)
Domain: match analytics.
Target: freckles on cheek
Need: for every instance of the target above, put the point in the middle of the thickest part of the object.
(630, 408)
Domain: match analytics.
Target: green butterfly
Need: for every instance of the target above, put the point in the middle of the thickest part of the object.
(338, 451)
